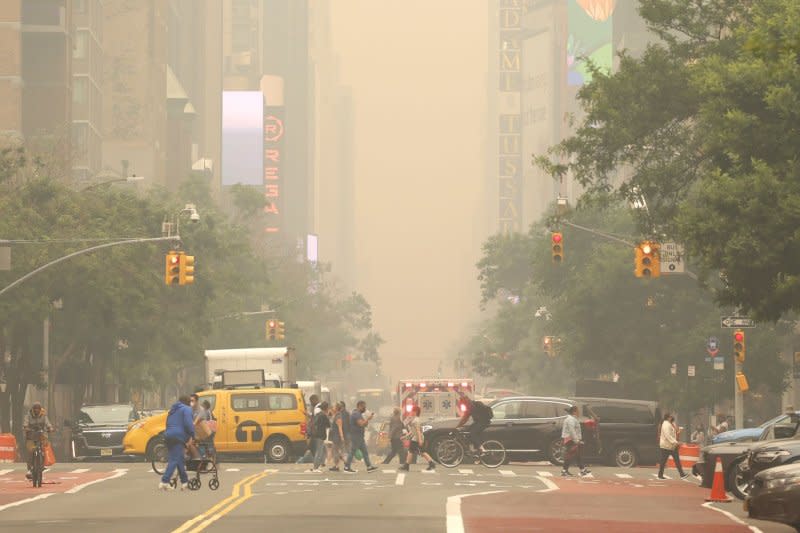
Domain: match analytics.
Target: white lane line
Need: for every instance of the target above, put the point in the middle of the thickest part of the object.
(455, 523)
(547, 483)
(428, 471)
(710, 505)
(545, 474)
(6, 471)
(79, 471)
(119, 472)
(389, 471)
(507, 473)
(232, 469)
(401, 478)
(624, 476)
(27, 500)
(465, 471)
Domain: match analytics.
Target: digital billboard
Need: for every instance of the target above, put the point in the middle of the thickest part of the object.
(242, 138)
(590, 38)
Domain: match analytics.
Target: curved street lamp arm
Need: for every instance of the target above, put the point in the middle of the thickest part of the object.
(85, 251)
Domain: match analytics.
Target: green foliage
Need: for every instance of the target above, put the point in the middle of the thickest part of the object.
(704, 123)
(607, 321)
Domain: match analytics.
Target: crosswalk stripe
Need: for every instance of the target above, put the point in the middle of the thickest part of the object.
(389, 471)
(79, 471)
(401, 478)
(428, 471)
(465, 471)
(587, 476)
(507, 473)
(231, 469)
(665, 476)
(545, 474)
(6, 471)
(624, 476)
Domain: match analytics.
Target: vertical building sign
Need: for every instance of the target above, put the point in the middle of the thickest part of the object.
(509, 116)
(274, 153)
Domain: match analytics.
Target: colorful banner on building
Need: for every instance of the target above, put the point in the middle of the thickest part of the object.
(242, 137)
(274, 152)
(590, 38)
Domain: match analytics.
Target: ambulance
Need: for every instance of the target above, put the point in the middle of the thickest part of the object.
(437, 398)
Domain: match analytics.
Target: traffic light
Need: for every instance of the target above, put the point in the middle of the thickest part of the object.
(187, 269)
(548, 345)
(172, 268)
(647, 262)
(741, 382)
(557, 247)
(280, 332)
(272, 329)
(739, 347)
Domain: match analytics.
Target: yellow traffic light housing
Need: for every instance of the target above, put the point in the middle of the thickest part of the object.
(741, 382)
(557, 247)
(172, 268)
(272, 329)
(280, 331)
(739, 347)
(187, 269)
(548, 345)
(647, 260)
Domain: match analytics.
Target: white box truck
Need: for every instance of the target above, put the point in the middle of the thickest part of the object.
(277, 363)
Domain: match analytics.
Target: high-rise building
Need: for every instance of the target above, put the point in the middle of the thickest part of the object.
(36, 75)
(87, 89)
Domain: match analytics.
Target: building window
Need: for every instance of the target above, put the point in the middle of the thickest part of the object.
(79, 6)
(80, 90)
(80, 142)
(80, 48)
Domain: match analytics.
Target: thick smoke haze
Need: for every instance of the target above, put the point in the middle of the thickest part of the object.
(418, 72)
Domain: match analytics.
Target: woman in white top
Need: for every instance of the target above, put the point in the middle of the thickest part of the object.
(668, 442)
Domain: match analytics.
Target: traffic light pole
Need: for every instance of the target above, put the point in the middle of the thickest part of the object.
(85, 251)
(738, 397)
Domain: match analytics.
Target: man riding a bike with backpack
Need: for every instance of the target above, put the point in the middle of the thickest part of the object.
(481, 415)
(35, 421)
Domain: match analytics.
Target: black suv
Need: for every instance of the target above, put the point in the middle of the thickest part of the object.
(528, 426)
(98, 430)
(626, 431)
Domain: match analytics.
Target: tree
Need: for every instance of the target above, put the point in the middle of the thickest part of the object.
(705, 122)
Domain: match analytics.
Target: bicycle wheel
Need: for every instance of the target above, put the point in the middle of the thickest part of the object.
(37, 468)
(494, 454)
(160, 459)
(449, 452)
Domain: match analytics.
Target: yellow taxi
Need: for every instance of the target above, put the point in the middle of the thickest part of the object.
(271, 422)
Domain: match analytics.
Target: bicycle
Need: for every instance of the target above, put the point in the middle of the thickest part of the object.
(453, 449)
(37, 458)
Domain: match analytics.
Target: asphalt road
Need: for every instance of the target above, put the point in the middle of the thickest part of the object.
(103, 497)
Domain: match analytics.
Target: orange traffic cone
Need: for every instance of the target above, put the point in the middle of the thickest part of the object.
(718, 493)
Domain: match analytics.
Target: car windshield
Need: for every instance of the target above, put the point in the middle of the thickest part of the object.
(772, 421)
(106, 414)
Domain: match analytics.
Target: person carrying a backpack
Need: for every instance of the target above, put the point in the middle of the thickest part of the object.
(481, 415)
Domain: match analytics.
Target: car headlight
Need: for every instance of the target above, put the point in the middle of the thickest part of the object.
(781, 482)
(136, 425)
(426, 428)
(769, 456)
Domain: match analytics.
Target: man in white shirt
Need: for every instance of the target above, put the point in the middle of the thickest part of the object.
(668, 442)
(573, 441)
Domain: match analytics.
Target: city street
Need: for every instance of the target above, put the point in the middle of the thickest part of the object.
(122, 497)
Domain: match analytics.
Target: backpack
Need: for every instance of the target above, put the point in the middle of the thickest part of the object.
(481, 412)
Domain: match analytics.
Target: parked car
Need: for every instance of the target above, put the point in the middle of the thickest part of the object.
(98, 430)
(771, 454)
(626, 431)
(734, 457)
(775, 495)
(528, 426)
(748, 434)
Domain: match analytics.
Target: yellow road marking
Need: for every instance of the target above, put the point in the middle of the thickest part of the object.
(248, 492)
(235, 494)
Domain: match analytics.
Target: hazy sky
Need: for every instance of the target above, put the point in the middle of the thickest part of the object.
(418, 72)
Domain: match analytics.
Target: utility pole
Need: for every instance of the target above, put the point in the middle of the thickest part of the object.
(738, 398)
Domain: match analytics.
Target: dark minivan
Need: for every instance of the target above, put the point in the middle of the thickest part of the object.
(98, 430)
(626, 430)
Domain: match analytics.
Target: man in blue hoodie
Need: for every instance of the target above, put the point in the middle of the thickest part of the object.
(180, 429)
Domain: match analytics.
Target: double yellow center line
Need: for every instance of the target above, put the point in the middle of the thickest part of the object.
(242, 491)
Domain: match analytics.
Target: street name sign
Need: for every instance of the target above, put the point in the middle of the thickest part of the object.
(671, 257)
(736, 322)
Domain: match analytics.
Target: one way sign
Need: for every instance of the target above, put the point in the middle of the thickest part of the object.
(736, 322)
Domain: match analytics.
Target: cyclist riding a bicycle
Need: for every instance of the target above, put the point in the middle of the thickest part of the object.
(481, 418)
(35, 421)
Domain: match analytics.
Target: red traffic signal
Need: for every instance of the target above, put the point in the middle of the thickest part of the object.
(738, 336)
(557, 247)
